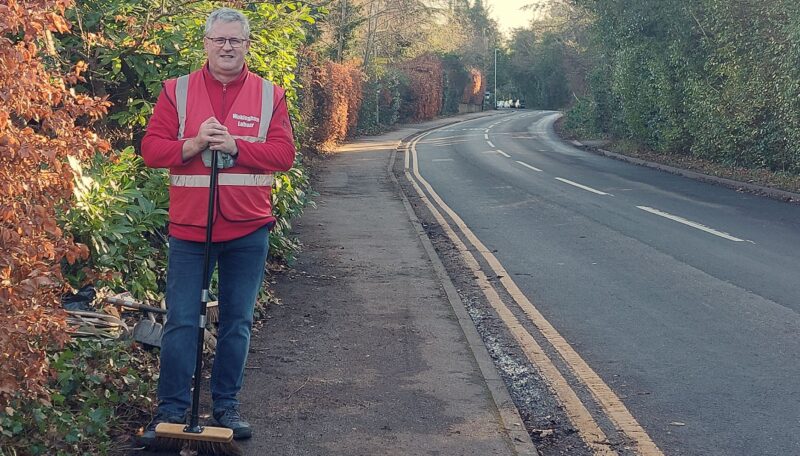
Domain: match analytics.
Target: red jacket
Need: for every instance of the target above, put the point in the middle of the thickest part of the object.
(161, 148)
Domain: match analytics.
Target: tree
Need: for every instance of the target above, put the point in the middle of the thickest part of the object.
(337, 39)
(538, 70)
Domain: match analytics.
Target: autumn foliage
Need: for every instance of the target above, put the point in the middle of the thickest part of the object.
(42, 123)
(335, 98)
(475, 88)
(426, 90)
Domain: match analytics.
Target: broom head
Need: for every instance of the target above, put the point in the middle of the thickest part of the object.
(210, 441)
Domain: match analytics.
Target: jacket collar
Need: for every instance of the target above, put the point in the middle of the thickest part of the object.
(236, 82)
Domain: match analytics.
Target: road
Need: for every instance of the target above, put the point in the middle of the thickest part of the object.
(681, 296)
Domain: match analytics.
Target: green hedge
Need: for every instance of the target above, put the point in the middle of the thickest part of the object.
(715, 79)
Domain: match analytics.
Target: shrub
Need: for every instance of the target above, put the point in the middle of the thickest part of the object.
(582, 119)
(382, 100)
(425, 90)
(716, 79)
(474, 88)
(97, 390)
(337, 93)
(42, 123)
(289, 198)
(456, 78)
(120, 212)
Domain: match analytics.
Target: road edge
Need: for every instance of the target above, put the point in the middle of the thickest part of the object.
(760, 190)
(519, 439)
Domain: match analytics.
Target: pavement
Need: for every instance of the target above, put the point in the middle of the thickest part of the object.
(371, 351)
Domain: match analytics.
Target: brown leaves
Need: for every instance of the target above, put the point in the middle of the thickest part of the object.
(425, 74)
(33, 17)
(57, 23)
(475, 88)
(25, 366)
(337, 91)
(41, 124)
(75, 77)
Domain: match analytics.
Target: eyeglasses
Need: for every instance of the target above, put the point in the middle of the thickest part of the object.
(220, 42)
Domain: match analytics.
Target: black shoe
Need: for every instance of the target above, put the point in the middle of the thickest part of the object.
(231, 418)
(147, 437)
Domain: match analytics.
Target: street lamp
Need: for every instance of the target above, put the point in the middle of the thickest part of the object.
(495, 78)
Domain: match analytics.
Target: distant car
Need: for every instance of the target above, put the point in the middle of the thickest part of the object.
(515, 104)
(521, 104)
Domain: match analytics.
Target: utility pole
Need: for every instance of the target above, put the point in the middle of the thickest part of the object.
(495, 78)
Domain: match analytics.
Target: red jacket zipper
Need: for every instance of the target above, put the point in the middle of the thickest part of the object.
(224, 106)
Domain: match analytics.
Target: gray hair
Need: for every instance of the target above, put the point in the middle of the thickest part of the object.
(228, 15)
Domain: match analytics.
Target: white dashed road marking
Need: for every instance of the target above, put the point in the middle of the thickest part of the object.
(529, 166)
(588, 189)
(696, 225)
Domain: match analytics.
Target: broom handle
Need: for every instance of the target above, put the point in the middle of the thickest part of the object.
(204, 298)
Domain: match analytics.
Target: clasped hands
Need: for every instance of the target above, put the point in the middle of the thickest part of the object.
(211, 135)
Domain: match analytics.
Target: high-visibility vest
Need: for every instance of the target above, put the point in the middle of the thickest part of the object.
(244, 193)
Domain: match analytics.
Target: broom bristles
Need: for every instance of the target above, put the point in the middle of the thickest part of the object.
(166, 444)
(215, 448)
(201, 447)
(212, 312)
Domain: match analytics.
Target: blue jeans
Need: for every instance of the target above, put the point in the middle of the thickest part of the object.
(241, 270)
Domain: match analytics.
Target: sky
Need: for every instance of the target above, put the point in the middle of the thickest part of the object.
(508, 15)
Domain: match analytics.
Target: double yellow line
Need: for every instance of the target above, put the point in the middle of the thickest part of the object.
(609, 403)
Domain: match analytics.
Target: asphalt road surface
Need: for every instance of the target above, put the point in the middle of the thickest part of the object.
(683, 296)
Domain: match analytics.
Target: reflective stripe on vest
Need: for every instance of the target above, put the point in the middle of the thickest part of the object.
(181, 94)
(232, 179)
(267, 102)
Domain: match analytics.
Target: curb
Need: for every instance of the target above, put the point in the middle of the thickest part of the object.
(769, 192)
(519, 439)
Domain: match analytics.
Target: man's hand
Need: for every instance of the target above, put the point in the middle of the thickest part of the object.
(210, 135)
(223, 142)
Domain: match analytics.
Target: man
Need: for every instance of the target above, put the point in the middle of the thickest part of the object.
(222, 108)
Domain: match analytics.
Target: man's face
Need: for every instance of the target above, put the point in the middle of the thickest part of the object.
(226, 60)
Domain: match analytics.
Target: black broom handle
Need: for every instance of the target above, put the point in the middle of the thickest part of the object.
(204, 298)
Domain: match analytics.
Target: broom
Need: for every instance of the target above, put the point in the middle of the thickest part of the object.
(205, 440)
